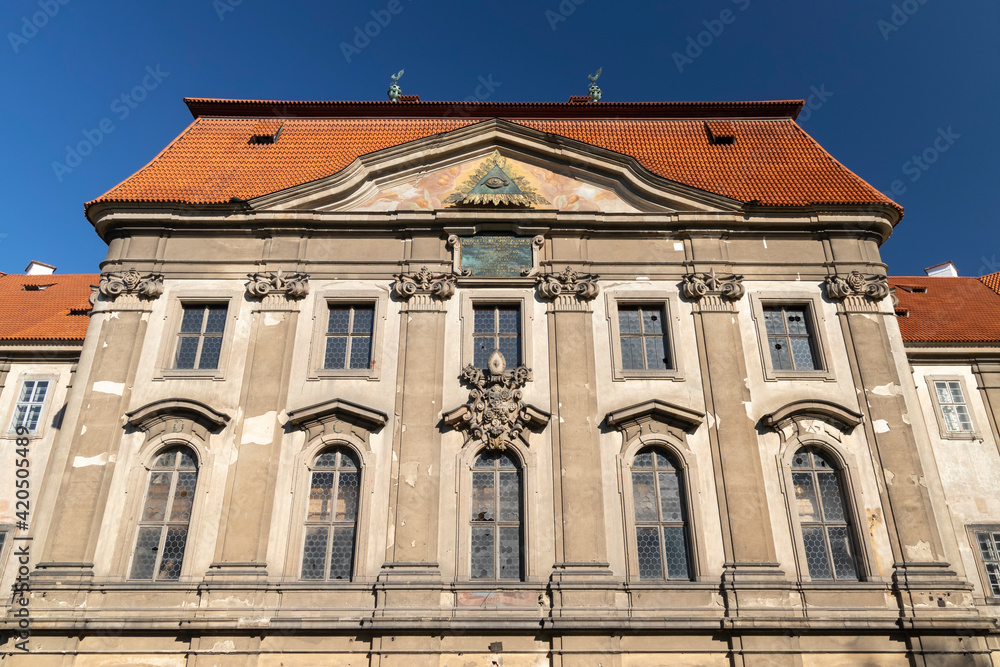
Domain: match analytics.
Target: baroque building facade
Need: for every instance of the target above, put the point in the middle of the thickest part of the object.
(569, 384)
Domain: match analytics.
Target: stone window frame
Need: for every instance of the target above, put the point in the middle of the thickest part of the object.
(137, 486)
(670, 303)
(317, 348)
(522, 298)
(817, 322)
(304, 466)
(943, 431)
(697, 552)
(168, 346)
(984, 578)
(850, 485)
(530, 570)
(53, 380)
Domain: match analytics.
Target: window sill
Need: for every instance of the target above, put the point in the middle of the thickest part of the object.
(795, 376)
(621, 375)
(343, 373)
(190, 374)
(959, 435)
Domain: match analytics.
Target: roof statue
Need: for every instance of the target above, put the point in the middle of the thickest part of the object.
(594, 91)
(394, 90)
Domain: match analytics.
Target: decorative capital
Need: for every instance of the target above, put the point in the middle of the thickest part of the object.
(696, 286)
(495, 414)
(113, 285)
(440, 285)
(552, 285)
(856, 283)
(292, 285)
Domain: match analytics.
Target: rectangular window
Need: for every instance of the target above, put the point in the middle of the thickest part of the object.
(199, 342)
(989, 541)
(349, 336)
(497, 327)
(951, 402)
(790, 338)
(643, 337)
(30, 402)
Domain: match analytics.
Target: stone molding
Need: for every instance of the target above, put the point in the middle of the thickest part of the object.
(128, 283)
(271, 283)
(177, 415)
(696, 286)
(812, 417)
(337, 417)
(496, 414)
(439, 286)
(856, 284)
(567, 287)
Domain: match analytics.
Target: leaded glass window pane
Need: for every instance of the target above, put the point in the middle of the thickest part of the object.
(496, 327)
(349, 332)
(642, 337)
(659, 512)
(199, 342)
(496, 538)
(331, 516)
(823, 516)
(790, 338)
(163, 527)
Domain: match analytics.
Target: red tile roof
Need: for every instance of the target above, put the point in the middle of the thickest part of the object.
(992, 280)
(772, 160)
(45, 314)
(951, 310)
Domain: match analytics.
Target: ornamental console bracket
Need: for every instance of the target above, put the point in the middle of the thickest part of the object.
(496, 414)
(129, 282)
(856, 284)
(268, 283)
(568, 283)
(438, 285)
(696, 286)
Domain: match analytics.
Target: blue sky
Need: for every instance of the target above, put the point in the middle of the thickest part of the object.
(889, 82)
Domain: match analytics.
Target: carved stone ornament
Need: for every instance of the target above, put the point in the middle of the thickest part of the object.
(495, 413)
(696, 286)
(292, 285)
(113, 285)
(440, 285)
(856, 283)
(552, 285)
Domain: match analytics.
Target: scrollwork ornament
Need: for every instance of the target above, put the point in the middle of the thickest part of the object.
(872, 287)
(695, 286)
(113, 285)
(292, 285)
(552, 285)
(441, 285)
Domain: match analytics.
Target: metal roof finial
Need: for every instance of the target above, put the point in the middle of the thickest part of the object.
(594, 91)
(394, 90)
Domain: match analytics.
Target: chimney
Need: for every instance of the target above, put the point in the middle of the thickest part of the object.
(36, 268)
(942, 269)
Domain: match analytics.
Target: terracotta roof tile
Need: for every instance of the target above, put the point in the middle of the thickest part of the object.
(992, 280)
(45, 314)
(772, 160)
(950, 310)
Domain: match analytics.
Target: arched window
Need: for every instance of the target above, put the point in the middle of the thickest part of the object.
(660, 528)
(496, 540)
(166, 513)
(823, 516)
(331, 517)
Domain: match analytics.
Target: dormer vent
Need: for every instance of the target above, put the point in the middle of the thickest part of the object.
(720, 132)
(266, 131)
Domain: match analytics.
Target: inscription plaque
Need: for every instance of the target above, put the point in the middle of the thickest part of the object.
(497, 255)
